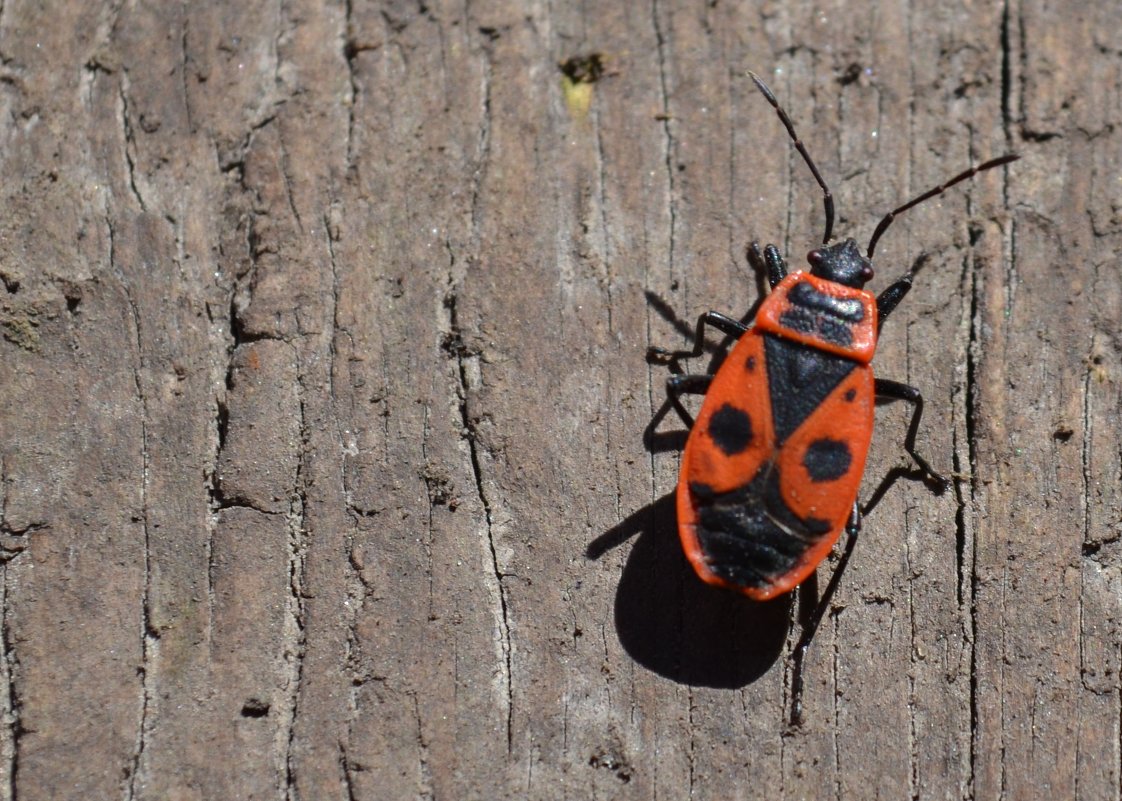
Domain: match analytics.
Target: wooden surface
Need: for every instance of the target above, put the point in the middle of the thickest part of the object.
(322, 391)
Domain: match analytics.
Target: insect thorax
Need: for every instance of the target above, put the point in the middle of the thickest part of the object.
(823, 315)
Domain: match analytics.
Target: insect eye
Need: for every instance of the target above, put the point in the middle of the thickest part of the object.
(814, 258)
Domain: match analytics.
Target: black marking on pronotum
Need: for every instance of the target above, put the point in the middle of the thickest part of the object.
(807, 322)
(803, 294)
(731, 429)
(799, 378)
(827, 460)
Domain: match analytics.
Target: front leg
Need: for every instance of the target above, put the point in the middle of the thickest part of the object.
(768, 261)
(722, 322)
(890, 298)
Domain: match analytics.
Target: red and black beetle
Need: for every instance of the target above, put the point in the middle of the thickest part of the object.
(772, 466)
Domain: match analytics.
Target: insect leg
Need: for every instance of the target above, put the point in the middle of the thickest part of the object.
(886, 483)
(852, 529)
(722, 322)
(894, 390)
(890, 298)
(769, 261)
(679, 385)
(676, 386)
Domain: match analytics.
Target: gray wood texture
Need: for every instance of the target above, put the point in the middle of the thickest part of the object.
(322, 394)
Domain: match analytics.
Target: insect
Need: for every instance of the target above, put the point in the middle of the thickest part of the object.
(772, 465)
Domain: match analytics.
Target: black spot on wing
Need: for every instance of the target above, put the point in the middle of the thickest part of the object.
(731, 429)
(827, 460)
(702, 493)
(799, 378)
(750, 364)
(850, 394)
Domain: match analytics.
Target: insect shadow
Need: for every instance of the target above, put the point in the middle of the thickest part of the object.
(675, 625)
(666, 618)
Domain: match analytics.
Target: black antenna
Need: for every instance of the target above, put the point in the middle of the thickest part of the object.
(827, 198)
(882, 226)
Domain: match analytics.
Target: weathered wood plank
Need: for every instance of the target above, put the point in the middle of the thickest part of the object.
(323, 391)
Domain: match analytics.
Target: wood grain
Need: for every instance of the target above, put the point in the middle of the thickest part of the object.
(323, 391)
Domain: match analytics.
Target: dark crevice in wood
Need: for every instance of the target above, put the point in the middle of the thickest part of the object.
(1028, 135)
(11, 666)
(129, 141)
(915, 646)
(355, 585)
(835, 698)
(964, 570)
(691, 751)
(472, 435)
(437, 492)
(242, 503)
(12, 712)
(1006, 71)
(298, 546)
(1085, 452)
(968, 280)
(351, 49)
(668, 133)
(185, 60)
(286, 172)
(601, 189)
(348, 770)
(148, 636)
(665, 118)
(425, 790)
(255, 708)
(455, 334)
(483, 155)
(234, 161)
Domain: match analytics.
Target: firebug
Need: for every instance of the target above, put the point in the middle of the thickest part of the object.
(773, 463)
